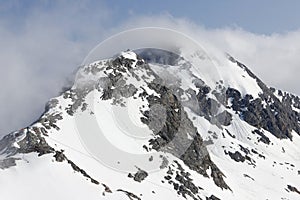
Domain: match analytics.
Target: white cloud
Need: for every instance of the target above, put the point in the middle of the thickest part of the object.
(274, 58)
(37, 57)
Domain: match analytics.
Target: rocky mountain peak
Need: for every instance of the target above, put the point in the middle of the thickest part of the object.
(147, 124)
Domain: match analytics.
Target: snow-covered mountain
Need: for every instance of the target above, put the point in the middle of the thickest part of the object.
(150, 125)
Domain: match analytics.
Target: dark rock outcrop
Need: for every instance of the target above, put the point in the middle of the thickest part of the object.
(212, 197)
(267, 111)
(173, 135)
(293, 189)
(139, 176)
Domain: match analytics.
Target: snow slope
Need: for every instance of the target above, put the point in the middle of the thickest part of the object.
(91, 143)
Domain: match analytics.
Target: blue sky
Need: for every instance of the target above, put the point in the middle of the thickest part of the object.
(257, 16)
(43, 42)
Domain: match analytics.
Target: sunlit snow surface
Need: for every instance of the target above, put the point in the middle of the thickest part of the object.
(43, 178)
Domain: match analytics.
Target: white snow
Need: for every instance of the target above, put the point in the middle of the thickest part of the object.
(43, 178)
(129, 54)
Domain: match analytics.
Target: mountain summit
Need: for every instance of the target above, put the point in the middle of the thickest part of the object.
(148, 124)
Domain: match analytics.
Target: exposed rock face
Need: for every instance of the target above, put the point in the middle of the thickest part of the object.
(237, 156)
(263, 138)
(266, 112)
(293, 189)
(31, 141)
(139, 176)
(8, 162)
(212, 197)
(7, 146)
(270, 116)
(173, 136)
(182, 181)
(130, 195)
(223, 119)
(158, 56)
(209, 108)
(34, 142)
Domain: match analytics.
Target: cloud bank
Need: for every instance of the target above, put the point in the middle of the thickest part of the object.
(274, 58)
(39, 52)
